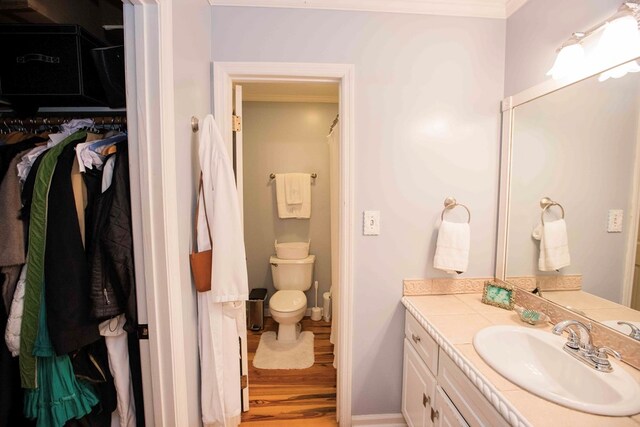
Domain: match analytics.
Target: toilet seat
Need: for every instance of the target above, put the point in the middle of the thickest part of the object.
(287, 301)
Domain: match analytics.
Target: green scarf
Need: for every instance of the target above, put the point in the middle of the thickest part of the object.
(35, 260)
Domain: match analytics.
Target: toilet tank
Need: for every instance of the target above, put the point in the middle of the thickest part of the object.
(292, 274)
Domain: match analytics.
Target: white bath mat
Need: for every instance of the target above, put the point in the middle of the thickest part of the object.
(272, 354)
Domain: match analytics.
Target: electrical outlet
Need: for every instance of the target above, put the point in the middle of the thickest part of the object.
(371, 223)
(614, 222)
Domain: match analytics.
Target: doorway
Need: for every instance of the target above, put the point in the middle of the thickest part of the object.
(226, 75)
(287, 133)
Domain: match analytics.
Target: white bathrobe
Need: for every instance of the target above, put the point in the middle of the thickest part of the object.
(221, 313)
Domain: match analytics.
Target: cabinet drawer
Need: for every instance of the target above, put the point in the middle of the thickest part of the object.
(418, 389)
(422, 342)
(472, 404)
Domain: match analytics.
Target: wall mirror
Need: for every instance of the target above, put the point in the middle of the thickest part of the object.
(578, 145)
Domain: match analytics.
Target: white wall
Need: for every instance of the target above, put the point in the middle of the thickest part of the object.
(576, 146)
(286, 137)
(192, 97)
(540, 27)
(426, 127)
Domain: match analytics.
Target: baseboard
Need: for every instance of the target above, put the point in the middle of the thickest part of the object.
(379, 420)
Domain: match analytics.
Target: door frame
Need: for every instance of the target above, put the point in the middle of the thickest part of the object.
(224, 75)
(148, 39)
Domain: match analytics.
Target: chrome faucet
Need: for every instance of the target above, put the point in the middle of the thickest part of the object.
(635, 331)
(582, 348)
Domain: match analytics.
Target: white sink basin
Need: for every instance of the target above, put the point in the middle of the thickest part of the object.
(535, 360)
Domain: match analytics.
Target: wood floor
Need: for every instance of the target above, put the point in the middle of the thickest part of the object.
(293, 397)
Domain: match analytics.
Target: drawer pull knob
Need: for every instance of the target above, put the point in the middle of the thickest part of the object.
(415, 338)
(426, 400)
(435, 415)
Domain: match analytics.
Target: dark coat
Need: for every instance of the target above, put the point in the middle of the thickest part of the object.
(111, 258)
(66, 271)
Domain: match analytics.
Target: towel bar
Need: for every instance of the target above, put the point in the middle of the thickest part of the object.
(273, 176)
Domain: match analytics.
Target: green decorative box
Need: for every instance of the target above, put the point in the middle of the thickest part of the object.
(498, 295)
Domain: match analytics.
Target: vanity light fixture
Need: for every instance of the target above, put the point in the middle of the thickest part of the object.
(620, 40)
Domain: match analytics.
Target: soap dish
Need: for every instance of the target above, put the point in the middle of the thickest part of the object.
(531, 317)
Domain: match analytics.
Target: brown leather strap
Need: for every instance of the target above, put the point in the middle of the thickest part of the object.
(206, 217)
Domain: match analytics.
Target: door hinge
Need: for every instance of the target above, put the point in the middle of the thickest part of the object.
(143, 332)
(237, 123)
(244, 382)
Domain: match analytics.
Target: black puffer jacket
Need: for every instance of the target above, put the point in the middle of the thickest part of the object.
(113, 288)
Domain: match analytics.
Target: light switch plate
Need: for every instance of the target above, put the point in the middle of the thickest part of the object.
(614, 222)
(371, 223)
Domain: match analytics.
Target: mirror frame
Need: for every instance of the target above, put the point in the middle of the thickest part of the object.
(507, 106)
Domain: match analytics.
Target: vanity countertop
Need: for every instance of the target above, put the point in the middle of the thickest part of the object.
(453, 320)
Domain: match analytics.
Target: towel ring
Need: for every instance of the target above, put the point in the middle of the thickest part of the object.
(450, 203)
(545, 204)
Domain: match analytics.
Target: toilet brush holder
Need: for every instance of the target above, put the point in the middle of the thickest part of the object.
(316, 313)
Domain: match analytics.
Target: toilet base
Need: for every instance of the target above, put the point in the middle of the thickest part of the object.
(289, 333)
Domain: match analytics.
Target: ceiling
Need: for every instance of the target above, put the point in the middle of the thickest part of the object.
(474, 8)
(290, 92)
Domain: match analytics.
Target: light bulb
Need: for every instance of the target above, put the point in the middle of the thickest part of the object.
(569, 60)
(620, 71)
(620, 41)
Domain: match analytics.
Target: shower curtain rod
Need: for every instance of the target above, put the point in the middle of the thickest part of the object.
(335, 122)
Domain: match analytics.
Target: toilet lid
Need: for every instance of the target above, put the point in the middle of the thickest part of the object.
(287, 301)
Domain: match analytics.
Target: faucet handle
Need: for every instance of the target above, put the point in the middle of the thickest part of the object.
(573, 341)
(602, 361)
(635, 331)
(602, 353)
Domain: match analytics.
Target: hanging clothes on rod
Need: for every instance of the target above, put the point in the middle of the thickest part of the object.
(74, 313)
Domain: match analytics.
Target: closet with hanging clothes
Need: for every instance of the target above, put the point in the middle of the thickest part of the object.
(68, 284)
(69, 353)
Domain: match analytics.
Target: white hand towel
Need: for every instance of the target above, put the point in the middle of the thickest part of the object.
(452, 247)
(554, 245)
(293, 185)
(294, 210)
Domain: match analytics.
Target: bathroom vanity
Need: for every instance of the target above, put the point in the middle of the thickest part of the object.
(446, 382)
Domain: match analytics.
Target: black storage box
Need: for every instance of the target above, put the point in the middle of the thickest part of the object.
(48, 65)
(110, 65)
(255, 309)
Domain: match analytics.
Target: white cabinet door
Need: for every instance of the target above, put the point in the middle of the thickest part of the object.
(471, 403)
(444, 413)
(418, 389)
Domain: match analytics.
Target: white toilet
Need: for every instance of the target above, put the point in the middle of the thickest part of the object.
(291, 277)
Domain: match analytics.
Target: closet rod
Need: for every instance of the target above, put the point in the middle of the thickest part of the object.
(55, 121)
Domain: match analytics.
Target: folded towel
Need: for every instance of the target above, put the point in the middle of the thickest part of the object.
(554, 245)
(302, 188)
(293, 185)
(452, 247)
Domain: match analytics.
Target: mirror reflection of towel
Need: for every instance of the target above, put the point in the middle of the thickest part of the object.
(554, 245)
(452, 247)
(299, 188)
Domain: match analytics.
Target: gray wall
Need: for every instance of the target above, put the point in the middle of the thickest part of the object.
(427, 93)
(577, 146)
(192, 97)
(540, 27)
(286, 137)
